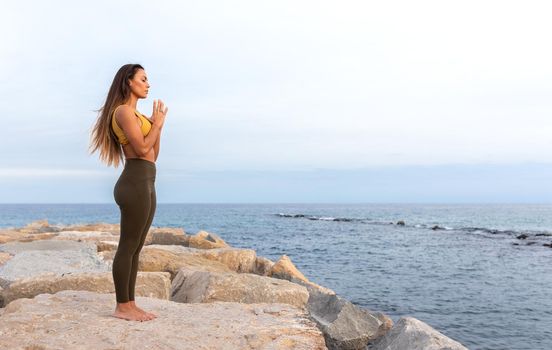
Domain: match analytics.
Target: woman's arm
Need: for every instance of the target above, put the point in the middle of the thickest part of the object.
(156, 146)
(141, 145)
(157, 142)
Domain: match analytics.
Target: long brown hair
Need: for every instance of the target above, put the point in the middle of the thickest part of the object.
(102, 136)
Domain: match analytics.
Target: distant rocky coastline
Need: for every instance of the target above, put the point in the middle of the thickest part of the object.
(56, 292)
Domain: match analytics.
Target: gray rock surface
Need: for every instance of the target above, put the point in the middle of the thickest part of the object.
(48, 256)
(413, 334)
(345, 326)
(82, 320)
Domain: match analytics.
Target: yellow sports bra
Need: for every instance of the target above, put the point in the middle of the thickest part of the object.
(146, 126)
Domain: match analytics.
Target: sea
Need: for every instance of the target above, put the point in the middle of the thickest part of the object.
(480, 274)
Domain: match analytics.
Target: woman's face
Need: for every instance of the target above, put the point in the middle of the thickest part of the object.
(139, 85)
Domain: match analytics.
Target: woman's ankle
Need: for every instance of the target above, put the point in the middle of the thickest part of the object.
(124, 305)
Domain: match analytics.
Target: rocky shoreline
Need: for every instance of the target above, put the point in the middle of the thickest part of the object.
(56, 292)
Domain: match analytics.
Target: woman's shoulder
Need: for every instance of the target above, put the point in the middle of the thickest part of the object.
(123, 111)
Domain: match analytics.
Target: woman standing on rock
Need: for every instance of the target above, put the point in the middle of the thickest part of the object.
(121, 133)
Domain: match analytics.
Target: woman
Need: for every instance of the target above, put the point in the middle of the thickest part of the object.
(122, 133)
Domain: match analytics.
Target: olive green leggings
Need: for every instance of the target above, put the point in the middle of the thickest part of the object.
(134, 193)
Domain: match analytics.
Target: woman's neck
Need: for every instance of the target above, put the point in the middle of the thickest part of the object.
(132, 101)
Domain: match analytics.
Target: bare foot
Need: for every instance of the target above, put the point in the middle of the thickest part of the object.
(127, 312)
(150, 315)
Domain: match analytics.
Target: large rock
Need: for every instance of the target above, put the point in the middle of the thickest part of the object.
(237, 259)
(150, 284)
(206, 240)
(49, 256)
(167, 236)
(284, 269)
(204, 287)
(152, 259)
(345, 325)
(82, 319)
(413, 334)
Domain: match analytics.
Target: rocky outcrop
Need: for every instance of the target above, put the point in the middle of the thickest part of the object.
(82, 319)
(412, 334)
(191, 286)
(280, 305)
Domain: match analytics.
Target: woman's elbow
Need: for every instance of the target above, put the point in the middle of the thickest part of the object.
(140, 150)
(143, 152)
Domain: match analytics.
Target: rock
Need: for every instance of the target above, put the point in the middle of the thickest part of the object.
(39, 226)
(40, 257)
(237, 259)
(102, 246)
(6, 238)
(522, 236)
(285, 269)
(437, 227)
(152, 259)
(386, 323)
(82, 319)
(345, 326)
(19, 247)
(262, 266)
(151, 284)
(413, 334)
(400, 223)
(10, 235)
(168, 236)
(206, 240)
(191, 286)
(103, 227)
(4, 257)
(80, 236)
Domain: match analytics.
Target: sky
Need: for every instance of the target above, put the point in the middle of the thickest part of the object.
(285, 101)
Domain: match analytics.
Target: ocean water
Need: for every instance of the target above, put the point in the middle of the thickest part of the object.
(480, 274)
